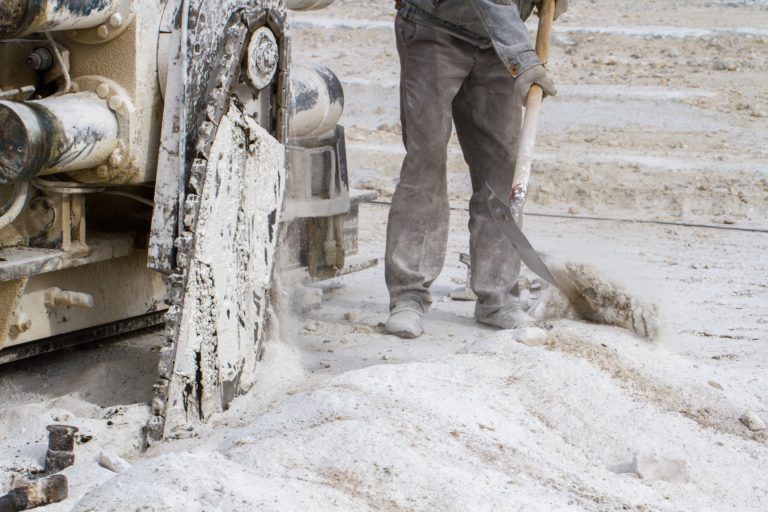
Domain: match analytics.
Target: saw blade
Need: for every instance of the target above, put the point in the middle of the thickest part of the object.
(219, 281)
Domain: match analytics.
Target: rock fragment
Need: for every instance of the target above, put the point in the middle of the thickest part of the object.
(649, 467)
(752, 421)
(113, 462)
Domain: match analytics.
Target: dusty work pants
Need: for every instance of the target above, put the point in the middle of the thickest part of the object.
(444, 78)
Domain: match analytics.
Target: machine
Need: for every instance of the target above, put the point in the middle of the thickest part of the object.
(155, 158)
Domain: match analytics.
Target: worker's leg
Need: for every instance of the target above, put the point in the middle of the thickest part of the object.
(433, 66)
(488, 124)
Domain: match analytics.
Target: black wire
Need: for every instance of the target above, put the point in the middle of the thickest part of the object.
(611, 219)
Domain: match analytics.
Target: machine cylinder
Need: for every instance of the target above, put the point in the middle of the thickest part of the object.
(62, 134)
(21, 17)
(317, 102)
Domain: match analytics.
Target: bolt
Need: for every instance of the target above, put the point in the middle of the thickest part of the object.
(40, 60)
(102, 32)
(116, 20)
(115, 102)
(102, 90)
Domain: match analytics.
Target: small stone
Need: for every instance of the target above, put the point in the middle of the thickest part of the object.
(350, 316)
(752, 421)
(715, 385)
(113, 462)
(649, 467)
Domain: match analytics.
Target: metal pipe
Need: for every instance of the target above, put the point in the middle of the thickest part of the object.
(21, 17)
(307, 5)
(17, 206)
(67, 133)
(317, 102)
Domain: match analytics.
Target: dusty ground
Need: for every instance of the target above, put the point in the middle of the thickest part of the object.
(661, 116)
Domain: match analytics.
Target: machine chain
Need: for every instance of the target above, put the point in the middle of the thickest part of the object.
(224, 79)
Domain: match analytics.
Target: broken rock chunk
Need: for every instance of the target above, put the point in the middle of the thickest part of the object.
(649, 467)
(752, 421)
(113, 462)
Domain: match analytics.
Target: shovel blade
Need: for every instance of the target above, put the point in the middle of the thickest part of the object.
(504, 219)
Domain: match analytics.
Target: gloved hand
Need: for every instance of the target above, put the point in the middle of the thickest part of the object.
(535, 75)
(528, 6)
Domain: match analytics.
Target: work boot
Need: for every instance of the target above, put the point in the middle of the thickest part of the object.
(507, 317)
(405, 320)
(514, 319)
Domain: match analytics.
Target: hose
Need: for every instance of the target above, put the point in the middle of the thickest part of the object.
(62, 65)
(20, 199)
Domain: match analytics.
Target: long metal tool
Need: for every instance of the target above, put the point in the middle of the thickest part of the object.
(509, 214)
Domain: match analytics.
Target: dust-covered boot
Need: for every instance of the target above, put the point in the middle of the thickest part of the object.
(512, 318)
(406, 320)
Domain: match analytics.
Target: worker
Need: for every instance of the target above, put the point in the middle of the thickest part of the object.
(470, 61)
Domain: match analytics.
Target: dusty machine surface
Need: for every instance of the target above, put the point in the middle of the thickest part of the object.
(153, 156)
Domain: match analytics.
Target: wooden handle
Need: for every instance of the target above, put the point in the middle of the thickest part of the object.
(527, 141)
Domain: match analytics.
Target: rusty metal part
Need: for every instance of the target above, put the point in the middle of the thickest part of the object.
(76, 131)
(21, 17)
(45, 491)
(13, 16)
(40, 59)
(61, 448)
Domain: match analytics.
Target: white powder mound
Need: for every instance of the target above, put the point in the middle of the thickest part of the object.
(203, 482)
(498, 425)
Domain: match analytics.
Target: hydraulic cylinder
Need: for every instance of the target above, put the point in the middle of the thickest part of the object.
(53, 135)
(22, 17)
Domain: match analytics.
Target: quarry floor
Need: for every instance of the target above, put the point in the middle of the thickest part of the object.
(661, 118)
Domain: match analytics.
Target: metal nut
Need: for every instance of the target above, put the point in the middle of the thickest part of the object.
(102, 32)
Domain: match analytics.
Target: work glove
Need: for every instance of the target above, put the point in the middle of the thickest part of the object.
(535, 75)
(526, 7)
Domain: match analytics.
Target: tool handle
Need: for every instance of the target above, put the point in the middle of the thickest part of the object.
(527, 142)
